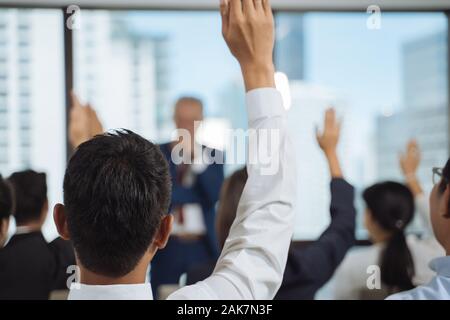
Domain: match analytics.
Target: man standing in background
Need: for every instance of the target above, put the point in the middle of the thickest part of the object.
(195, 191)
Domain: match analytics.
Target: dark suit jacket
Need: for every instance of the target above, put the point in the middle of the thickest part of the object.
(30, 268)
(309, 268)
(204, 192)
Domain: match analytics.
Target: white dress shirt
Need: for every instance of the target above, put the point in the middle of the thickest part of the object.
(437, 289)
(254, 256)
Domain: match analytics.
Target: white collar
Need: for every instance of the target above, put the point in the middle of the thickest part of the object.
(25, 230)
(141, 291)
(441, 266)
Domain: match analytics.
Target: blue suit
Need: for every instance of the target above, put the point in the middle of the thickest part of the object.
(178, 256)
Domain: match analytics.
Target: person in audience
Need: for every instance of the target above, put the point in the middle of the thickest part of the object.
(117, 192)
(438, 288)
(230, 194)
(30, 268)
(195, 191)
(402, 258)
(6, 210)
(308, 268)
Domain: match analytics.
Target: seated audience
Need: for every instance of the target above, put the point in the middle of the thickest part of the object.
(309, 268)
(402, 258)
(6, 210)
(117, 192)
(30, 267)
(439, 286)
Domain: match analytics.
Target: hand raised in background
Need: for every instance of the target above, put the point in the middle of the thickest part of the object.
(409, 163)
(410, 159)
(95, 126)
(329, 138)
(83, 122)
(248, 30)
(328, 141)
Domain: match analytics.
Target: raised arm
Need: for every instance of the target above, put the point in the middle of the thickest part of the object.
(83, 122)
(316, 263)
(409, 164)
(330, 249)
(253, 259)
(328, 141)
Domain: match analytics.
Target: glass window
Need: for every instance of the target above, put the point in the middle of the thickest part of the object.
(388, 84)
(133, 65)
(32, 117)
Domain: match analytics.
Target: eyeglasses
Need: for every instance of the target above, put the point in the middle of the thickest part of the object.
(438, 175)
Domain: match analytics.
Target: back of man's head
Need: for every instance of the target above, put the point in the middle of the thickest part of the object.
(116, 191)
(30, 193)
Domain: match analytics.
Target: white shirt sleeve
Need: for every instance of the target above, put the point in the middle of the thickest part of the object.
(423, 209)
(253, 259)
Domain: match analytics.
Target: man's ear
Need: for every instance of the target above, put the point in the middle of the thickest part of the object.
(163, 233)
(445, 203)
(60, 218)
(4, 226)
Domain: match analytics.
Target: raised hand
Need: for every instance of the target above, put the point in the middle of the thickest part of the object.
(410, 160)
(248, 30)
(95, 126)
(329, 138)
(328, 141)
(409, 163)
(79, 130)
(83, 122)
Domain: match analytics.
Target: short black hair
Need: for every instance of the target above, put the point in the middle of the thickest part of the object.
(445, 177)
(30, 193)
(6, 199)
(116, 190)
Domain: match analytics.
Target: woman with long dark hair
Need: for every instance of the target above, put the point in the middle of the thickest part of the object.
(396, 261)
(438, 288)
(390, 208)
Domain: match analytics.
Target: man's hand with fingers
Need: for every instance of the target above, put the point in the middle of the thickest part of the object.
(328, 141)
(248, 30)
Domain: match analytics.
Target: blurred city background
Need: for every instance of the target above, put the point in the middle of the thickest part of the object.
(389, 85)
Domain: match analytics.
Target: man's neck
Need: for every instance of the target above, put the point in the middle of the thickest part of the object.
(137, 276)
(29, 227)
